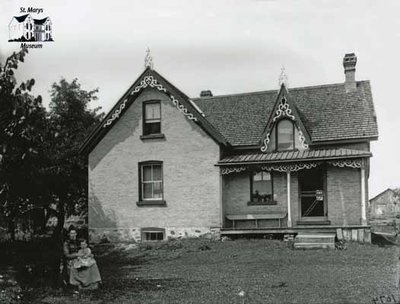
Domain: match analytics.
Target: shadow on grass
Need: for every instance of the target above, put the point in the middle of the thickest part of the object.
(35, 268)
(384, 241)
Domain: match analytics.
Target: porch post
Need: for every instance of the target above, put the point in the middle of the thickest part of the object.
(289, 222)
(363, 207)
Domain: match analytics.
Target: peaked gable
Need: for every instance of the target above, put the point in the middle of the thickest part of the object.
(151, 79)
(388, 190)
(328, 113)
(284, 108)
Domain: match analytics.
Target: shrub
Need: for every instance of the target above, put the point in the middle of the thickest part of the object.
(340, 245)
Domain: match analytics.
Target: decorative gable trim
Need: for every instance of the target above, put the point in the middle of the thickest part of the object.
(149, 81)
(150, 78)
(284, 109)
(264, 147)
(303, 140)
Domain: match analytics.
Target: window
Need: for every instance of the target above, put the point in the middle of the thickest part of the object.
(261, 187)
(151, 183)
(151, 118)
(153, 234)
(285, 135)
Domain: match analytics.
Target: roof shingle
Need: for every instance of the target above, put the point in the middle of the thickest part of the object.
(327, 112)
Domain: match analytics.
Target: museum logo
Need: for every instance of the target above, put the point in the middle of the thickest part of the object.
(29, 31)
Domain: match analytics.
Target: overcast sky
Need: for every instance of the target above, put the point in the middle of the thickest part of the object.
(225, 46)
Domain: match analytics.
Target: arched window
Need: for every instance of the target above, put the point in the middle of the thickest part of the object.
(285, 135)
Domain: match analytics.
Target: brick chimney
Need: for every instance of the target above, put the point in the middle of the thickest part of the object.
(206, 93)
(349, 64)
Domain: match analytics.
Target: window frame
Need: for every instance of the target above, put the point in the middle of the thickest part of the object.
(150, 201)
(154, 230)
(144, 133)
(277, 137)
(267, 202)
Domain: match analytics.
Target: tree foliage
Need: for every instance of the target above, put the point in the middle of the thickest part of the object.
(40, 164)
(70, 121)
(23, 125)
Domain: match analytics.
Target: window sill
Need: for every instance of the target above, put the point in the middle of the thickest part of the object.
(152, 136)
(152, 203)
(269, 203)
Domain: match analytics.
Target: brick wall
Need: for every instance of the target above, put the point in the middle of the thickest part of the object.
(236, 195)
(344, 196)
(191, 181)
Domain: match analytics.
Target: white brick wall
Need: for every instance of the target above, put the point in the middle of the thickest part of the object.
(191, 181)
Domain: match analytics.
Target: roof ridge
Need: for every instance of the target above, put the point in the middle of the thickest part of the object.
(277, 90)
(235, 94)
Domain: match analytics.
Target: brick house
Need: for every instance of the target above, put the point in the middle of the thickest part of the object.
(292, 160)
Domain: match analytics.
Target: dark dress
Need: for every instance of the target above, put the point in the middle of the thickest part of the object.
(86, 277)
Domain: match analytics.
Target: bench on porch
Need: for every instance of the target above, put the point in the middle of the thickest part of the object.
(257, 216)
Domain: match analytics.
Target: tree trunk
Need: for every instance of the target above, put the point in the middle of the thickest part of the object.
(11, 228)
(58, 232)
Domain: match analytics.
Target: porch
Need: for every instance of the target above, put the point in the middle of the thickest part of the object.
(356, 233)
(321, 191)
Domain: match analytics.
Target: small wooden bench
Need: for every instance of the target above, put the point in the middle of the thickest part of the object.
(257, 216)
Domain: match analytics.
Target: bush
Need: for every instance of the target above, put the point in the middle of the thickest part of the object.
(340, 245)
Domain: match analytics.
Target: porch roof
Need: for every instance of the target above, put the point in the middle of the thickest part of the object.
(292, 156)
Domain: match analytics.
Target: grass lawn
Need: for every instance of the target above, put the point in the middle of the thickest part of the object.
(265, 271)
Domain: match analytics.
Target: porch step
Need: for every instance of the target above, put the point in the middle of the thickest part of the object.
(314, 240)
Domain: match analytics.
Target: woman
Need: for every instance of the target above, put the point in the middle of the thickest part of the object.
(83, 277)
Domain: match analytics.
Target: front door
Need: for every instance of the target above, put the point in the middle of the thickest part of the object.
(312, 195)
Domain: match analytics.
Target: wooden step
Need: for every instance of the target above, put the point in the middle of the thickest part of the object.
(315, 239)
(314, 245)
(308, 240)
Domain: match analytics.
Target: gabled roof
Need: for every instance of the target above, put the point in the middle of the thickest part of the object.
(40, 21)
(150, 78)
(284, 108)
(288, 156)
(380, 194)
(21, 18)
(327, 112)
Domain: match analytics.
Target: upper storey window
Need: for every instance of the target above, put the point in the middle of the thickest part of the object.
(285, 135)
(151, 118)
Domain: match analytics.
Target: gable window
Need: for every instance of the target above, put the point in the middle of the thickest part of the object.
(261, 188)
(151, 118)
(285, 135)
(151, 183)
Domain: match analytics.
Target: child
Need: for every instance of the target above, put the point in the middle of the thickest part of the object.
(85, 256)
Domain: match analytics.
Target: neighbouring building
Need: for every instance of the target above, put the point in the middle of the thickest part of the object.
(385, 206)
(27, 28)
(288, 160)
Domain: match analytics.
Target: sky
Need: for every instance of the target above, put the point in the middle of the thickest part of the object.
(227, 46)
